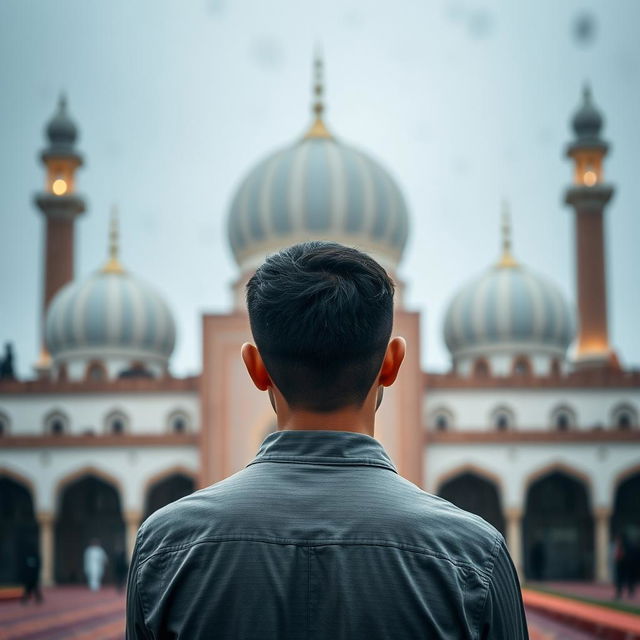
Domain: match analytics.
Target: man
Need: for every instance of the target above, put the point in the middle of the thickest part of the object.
(319, 537)
(95, 559)
(31, 574)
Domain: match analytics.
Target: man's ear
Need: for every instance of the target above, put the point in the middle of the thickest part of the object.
(255, 366)
(393, 357)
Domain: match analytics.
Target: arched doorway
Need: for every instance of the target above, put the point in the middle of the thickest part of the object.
(476, 494)
(166, 490)
(626, 509)
(558, 529)
(18, 528)
(89, 508)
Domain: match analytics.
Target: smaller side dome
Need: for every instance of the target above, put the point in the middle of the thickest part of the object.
(112, 320)
(508, 316)
(587, 121)
(61, 130)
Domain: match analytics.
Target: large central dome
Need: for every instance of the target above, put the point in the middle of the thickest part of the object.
(317, 189)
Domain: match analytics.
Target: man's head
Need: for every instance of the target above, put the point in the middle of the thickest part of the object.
(321, 315)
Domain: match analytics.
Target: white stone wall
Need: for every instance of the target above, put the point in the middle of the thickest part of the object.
(130, 469)
(515, 465)
(471, 409)
(146, 413)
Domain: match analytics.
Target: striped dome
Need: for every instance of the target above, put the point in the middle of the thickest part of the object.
(317, 189)
(111, 314)
(508, 309)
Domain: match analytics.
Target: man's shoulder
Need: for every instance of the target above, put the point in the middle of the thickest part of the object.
(413, 519)
(444, 529)
(183, 521)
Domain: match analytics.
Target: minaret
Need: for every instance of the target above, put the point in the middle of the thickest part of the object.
(588, 196)
(60, 205)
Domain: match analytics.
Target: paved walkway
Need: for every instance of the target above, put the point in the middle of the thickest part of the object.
(67, 613)
(75, 613)
(595, 591)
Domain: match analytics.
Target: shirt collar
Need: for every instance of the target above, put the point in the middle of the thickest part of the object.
(323, 447)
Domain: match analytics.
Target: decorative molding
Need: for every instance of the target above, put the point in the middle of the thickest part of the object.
(593, 379)
(107, 440)
(531, 436)
(120, 385)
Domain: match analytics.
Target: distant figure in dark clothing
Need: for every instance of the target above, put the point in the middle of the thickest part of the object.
(31, 575)
(120, 568)
(538, 560)
(623, 559)
(6, 364)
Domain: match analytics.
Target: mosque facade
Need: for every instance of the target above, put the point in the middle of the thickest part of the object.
(535, 427)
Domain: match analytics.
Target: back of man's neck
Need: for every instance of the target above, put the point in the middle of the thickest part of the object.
(352, 421)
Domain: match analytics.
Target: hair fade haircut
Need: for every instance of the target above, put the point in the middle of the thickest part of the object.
(321, 316)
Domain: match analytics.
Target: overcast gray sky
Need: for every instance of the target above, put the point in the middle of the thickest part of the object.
(465, 102)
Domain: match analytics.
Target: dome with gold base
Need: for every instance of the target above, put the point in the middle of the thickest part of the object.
(509, 320)
(110, 325)
(318, 188)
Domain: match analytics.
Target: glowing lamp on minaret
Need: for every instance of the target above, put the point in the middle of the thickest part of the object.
(59, 187)
(588, 196)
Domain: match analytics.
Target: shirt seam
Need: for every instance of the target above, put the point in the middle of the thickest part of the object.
(321, 543)
(139, 593)
(489, 577)
(308, 592)
(355, 462)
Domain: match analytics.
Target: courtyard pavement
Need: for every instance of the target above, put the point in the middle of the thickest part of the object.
(75, 613)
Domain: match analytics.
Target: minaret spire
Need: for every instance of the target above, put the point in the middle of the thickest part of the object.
(507, 259)
(318, 128)
(113, 263)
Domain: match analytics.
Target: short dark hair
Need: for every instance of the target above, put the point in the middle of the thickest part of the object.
(321, 316)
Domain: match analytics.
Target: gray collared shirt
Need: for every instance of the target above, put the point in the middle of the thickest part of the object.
(320, 538)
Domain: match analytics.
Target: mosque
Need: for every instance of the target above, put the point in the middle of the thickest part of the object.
(535, 426)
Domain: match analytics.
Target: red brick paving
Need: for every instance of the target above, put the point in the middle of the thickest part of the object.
(75, 613)
(66, 613)
(596, 591)
(599, 620)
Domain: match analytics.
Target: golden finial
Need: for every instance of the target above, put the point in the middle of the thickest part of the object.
(113, 263)
(507, 259)
(318, 128)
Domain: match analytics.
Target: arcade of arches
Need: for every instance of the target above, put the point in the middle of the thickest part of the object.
(559, 536)
(89, 507)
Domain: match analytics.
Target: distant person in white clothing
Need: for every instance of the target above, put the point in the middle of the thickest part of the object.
(95, 560)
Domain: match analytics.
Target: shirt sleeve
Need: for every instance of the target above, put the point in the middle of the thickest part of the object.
(503, 616)
(136, 628)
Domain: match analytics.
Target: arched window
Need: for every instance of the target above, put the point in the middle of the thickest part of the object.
(442, 419)
(624, 416)
(56, 423)
(136, 370)
(96, 371)
(563, 418)
(503, 419)
(179, 422)
(63, 374)
(4, 424)
(555, 369)
(521, 366)
(481, 368)
(116, 423)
